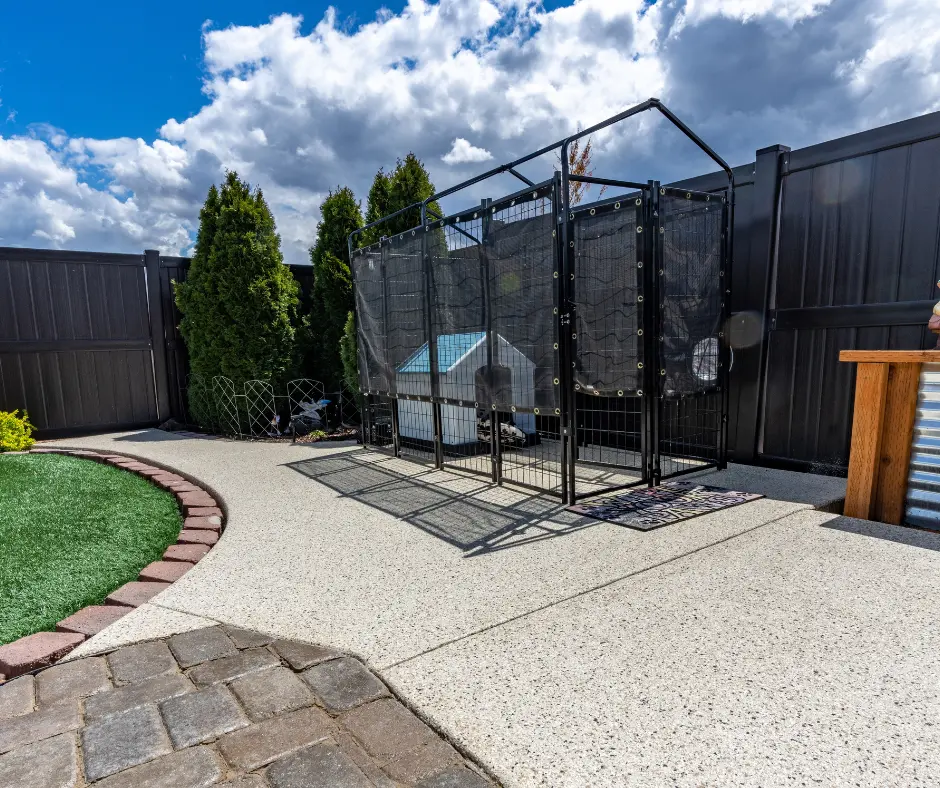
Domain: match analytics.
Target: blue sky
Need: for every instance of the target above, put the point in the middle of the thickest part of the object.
(108, 141)
(109, 68)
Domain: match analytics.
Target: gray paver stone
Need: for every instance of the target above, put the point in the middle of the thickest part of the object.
(201, 645)
(16, 697)
(52, 763)
(425, 760)
(247, 781)
(386, 728)
(271, 691)
(39, 725)
(229, 668)
(68, 680)
(246, 638)
(197, 767)
(366, 763)
(303, 655)
(456, 777)
(267, 741)
(202, 716)
(123, 740)
(136, 663)
(152, 690)
(344, 683)
(323, 765)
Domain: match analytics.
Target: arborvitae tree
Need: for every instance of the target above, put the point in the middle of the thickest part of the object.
(239, 298)
(377, 206)
(332, 297)
(409, 183)
(347, 351)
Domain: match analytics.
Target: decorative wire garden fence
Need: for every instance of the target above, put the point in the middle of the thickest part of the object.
(255, 410)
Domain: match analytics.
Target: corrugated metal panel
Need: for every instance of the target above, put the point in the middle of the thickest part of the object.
(922, 506)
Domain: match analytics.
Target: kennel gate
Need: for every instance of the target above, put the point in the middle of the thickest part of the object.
(573, 349)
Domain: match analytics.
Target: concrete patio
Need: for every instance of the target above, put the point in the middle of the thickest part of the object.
(767, 644)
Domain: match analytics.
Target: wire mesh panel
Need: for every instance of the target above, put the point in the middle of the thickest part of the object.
(409, 354)
(459, 326)
(524, 386)
(607, 344)
(690, 289)
(369, 276)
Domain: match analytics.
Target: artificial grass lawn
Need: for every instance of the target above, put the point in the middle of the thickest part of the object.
(72, 531)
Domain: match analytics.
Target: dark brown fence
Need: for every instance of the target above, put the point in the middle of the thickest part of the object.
(75, 340)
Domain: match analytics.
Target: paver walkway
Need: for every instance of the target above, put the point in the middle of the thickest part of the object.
(218, 705)
(768, 644)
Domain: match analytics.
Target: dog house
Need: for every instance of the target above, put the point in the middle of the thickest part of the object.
(462, 366)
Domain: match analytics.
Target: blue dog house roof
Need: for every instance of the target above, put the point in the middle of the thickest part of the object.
(450, 349)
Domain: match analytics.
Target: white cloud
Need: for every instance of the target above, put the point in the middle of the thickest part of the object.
(462, 152)
(300, 113)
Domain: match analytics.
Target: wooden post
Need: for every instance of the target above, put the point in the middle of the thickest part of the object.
(886, 390)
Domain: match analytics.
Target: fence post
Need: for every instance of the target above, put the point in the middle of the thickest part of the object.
(751, 279)
(157, 333)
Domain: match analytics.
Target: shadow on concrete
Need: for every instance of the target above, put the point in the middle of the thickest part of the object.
(901, 534)
(151, 436)
(466, 511)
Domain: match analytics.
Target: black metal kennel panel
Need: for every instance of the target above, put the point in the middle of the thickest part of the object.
(572, 349)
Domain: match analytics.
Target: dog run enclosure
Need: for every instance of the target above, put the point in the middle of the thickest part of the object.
(574, 349)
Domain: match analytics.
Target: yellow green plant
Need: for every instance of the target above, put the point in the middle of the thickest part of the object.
(15, 431)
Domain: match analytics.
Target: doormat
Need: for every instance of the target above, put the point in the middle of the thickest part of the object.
(671, 502)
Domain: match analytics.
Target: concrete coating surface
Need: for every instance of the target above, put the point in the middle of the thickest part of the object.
(760, 645)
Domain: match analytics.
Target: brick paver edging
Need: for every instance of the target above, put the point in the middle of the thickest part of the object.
(203, 523)
(219, 706)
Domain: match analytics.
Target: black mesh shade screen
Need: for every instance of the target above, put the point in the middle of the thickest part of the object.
(690, 292)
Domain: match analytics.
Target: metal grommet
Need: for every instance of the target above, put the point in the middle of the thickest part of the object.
(554, 274)
(554, 232)
(512, 202)
(460, 403)
(639, 392)
(555, 310)
(688, 195)
(476, 404)
(556, 346)
(620, 392)
(555, 381)
(616, 206)
(639, 299)
(571, 215)
(662, 372)
(639, 264)
(721, 273)
(535, 195)
(596, 392)
(639, 201)
(493, 211)
(708, 197)
(474, 216)
(512, 408)
(639, 332)
(639, 365)
(661, 272)
(557, 411)
(571, 244)
(494, 406)
(662, 191)
(574, 336)
(639, 229)
(401, 237)
(572, 277)
(536, 411)
(592, 211)
(662, 229)
(577, 387)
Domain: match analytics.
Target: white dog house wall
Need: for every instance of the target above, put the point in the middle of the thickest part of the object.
(461, 363)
